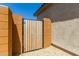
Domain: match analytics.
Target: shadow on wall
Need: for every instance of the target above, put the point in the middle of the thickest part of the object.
(10, 32)
(16, 46)
(65, 29)
(65, 16)
(23, 35)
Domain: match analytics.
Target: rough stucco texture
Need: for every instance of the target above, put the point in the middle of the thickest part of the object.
(65, 25)
(66, 35)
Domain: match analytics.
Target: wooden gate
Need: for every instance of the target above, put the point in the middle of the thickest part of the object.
(32, 35)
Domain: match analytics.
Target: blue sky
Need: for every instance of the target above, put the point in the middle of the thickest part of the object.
(25, 9)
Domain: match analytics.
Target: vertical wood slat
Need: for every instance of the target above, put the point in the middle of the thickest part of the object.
(39, 34)
(32, 35)
(25, 35)
(28, 36)
(24, 39)
(34, 28)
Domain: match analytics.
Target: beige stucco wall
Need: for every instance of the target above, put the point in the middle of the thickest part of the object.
(65, 25)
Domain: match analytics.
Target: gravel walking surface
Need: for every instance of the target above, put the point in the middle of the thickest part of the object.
(50, 51)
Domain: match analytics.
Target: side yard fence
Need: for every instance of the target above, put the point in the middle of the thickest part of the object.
(37, 34)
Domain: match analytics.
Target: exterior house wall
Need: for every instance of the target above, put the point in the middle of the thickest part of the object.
(5, 31)
(65, 25)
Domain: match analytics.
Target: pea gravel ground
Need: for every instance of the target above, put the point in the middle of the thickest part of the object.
(50, 51)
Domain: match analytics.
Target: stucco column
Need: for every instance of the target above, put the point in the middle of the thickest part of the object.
(46, 32)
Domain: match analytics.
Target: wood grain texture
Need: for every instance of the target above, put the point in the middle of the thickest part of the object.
(29, 40)
(25, 36)
(3, 32)
(10, 19)
(4, 25)
(32, 35)
(39, 34)
(17, 34)
(4, 10)
(3, 40)
(4, 50)
(3, 17)
(18, 19)
(19, 26)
